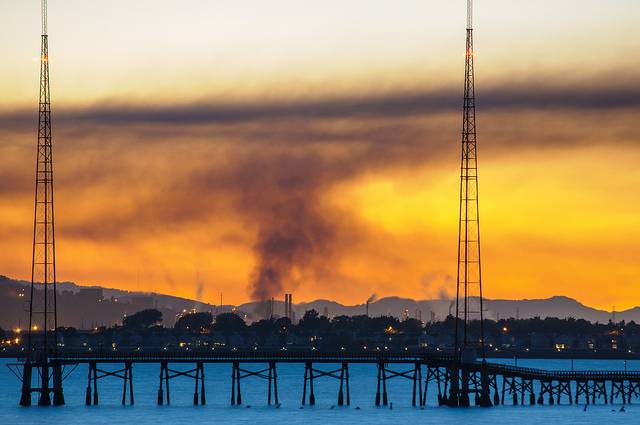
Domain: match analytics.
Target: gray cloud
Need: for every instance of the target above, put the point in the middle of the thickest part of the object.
(603, 92)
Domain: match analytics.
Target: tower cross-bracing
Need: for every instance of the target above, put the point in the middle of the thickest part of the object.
(469, 270)
(469, 304)
(42, 337)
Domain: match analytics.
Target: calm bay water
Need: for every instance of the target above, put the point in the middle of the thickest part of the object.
(254, 394)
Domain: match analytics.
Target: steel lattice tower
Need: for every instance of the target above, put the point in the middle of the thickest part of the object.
(42, 338)
(469, 274)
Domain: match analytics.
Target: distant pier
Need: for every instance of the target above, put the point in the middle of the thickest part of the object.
(459, 384)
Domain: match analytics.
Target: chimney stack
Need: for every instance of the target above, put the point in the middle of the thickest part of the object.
(288, 306)
(270, 308)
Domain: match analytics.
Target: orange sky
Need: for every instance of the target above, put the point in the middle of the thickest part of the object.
(340, 174)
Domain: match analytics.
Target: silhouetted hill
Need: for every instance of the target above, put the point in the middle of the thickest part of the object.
(92, 306)
(89, 306)
(558, 306)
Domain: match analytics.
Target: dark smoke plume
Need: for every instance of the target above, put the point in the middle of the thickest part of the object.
(270, 164)
(297, 235)
(199, 287)
(287, 246)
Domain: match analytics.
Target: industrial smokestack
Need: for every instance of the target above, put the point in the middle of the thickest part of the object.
(285, 305)
(371, 299)
(288, 307)
(270, 304)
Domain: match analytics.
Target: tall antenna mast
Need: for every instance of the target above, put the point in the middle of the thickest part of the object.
(469, 272)
(42, 338)
(43, 4)
(469, 302)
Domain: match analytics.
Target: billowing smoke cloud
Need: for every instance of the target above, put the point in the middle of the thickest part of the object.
(373, 298)
(296, 233)
(287, 244)
(443, 294)
(199, 287)
(270, 165)
(171, 283)
(439, 284)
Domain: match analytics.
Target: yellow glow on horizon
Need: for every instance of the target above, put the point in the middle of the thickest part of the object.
(568, 231)
(558, 211)
(555, 227)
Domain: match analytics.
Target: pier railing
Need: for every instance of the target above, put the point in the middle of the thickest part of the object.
(249, 356)
(566, 375)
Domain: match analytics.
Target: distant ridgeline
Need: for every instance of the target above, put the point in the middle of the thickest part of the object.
(88, 307)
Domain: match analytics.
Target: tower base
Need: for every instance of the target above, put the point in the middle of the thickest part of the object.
(45, 370)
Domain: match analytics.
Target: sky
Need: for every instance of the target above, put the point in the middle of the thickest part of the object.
(253, 148)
